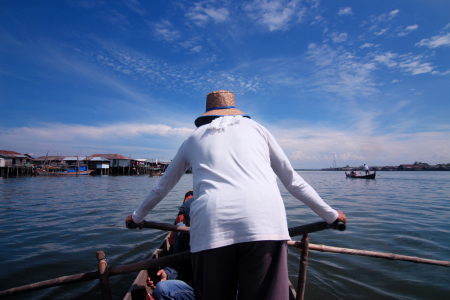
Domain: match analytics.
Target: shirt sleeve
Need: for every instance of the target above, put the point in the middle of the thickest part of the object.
(171, 176)
(172, 272)
(295, 184)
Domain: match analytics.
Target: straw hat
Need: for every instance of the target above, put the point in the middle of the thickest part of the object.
(219, 104)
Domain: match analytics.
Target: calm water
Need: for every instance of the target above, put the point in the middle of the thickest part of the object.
(51, 227)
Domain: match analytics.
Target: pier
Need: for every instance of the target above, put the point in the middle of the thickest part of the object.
(16, 171)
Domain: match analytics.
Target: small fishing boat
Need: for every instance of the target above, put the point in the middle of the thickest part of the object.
(139, 288)
(370, 176)
(69, 171)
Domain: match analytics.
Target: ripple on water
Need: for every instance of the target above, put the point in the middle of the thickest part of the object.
(50, 227)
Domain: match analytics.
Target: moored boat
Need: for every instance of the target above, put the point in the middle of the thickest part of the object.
(71, 172)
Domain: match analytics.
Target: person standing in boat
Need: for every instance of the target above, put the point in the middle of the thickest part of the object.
(366, 169)
(235, 163)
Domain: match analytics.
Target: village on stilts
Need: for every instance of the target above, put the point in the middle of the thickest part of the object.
(14, 164)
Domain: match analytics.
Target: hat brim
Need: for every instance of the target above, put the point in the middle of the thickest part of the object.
(208, 116)
(223, 112)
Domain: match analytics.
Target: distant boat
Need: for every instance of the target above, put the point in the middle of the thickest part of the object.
(69, 171)
(370, 176)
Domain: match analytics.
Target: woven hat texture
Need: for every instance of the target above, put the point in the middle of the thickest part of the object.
(219, 99)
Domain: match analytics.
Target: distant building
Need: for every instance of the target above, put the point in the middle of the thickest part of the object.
(98, 163)
(12, 158)
(389, 168)
(49, 159)
(409, 168)
(116, 160)
(73, 160)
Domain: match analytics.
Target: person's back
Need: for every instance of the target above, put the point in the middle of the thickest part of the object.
(235, 163)
(231, 165)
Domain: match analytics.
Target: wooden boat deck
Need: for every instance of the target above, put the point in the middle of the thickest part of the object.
(141, 280)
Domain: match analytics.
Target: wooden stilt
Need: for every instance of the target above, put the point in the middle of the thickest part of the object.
(303, 266)
(104, 280)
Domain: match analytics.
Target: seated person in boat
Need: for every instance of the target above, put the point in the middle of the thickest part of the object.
(177, 279)
(180, 217)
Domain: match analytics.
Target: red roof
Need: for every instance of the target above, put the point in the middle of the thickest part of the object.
(6, 152)
(12, 154)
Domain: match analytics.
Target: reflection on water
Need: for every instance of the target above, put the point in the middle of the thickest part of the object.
(51, 227)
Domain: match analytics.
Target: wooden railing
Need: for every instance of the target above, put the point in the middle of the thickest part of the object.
(104, 272)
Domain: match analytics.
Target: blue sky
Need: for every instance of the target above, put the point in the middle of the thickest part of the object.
(367, 80)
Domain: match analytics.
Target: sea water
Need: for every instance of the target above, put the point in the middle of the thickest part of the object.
(52, 227)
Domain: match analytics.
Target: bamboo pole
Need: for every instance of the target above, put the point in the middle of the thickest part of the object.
(301, 285)
(313, 227)
(390, 256)
(103, 272)
(50, 283)
(144, 265)
(293, 231)
(160, 226)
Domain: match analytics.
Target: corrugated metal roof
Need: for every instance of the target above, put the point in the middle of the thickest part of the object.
(50, 157)
(99, 159)
(74, 158)
(110, 156)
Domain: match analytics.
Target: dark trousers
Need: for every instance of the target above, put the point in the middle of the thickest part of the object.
(257, 269)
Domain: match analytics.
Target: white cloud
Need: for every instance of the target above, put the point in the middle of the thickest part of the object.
(339, 37)
(318, 19)
(311, 146)
(408, 30)
(203, 12)
(135, 6)
(441, 73)
(393, 13)
(275, 14)
(105, 138)
(165, 31)
(64, 132)
(196, 49)
(345, 11)
(387, 59)
(300, 156)
(384, 17)
(367, 45)
(406, 63)
(381, 32)
(415, 67)
(340, 72)
(157, 73)
(412, 27)
(381, 23)
(436, 41)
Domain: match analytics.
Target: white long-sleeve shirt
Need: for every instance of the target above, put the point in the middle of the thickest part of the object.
(235, 188)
